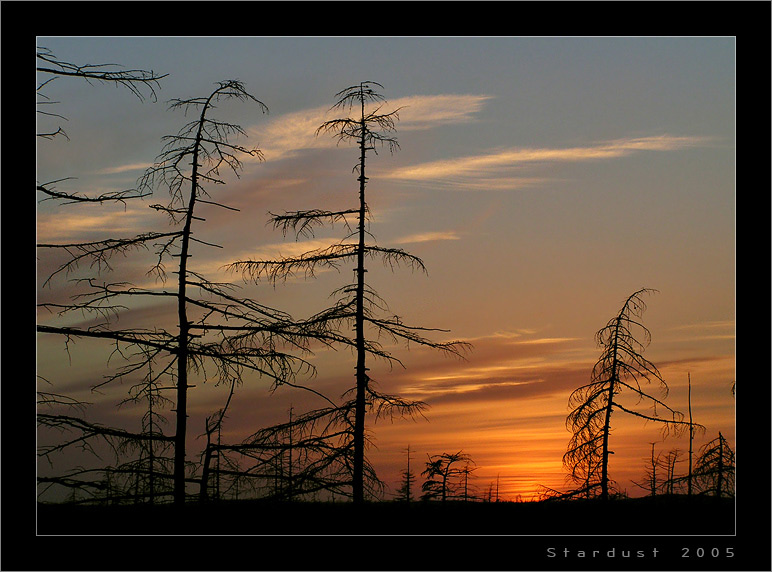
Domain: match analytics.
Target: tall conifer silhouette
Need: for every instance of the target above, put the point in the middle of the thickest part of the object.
(370, 128)
(620, 369)
(219, 336)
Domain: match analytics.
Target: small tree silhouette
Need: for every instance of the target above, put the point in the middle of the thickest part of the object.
(650, 475)
(621, 368)
(714, 472)
(442, 472)
(466, 472)
(405, 492)
(694, 428)
(672, 480)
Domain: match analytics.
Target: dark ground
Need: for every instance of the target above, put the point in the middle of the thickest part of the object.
(660, 516)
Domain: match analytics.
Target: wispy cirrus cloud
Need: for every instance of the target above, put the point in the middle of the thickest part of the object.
(490, 170)
(90, 223)
(715, 330)
(428, 237)
(285, 135)
(123, 168)
(502, 365)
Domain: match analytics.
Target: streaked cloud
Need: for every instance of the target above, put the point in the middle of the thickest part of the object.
(279, 250)
(90, 222)
(471, 168)
(504, 365)
(481, 182)
(718, 328)
(123, 168)
(428, 237)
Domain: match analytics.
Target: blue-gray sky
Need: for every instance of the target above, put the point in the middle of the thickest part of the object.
(542, 181)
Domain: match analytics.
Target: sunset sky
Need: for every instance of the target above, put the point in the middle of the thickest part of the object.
(541, 180)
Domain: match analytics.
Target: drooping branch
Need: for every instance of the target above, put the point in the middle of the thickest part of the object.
(302, 222)
(286, 268)
(99, 252)
(135, 80)
(152, 339)
(88, 432)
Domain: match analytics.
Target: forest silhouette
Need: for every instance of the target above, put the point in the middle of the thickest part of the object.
(314, 466)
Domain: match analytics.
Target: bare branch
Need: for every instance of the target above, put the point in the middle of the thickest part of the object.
(302, 222)
(101, 251)
(135, 80)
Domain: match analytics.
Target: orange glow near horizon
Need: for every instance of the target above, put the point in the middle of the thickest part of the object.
(505, 407)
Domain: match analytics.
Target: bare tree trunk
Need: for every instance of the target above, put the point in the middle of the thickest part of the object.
(671, 471)
(607, 423)
(408, 477)
(182, 352)
(691, 439)
(184, 325)
(204, 494)
(361, 369)
(720, 464)
(289, 459)
(217, 463)
(150, 430)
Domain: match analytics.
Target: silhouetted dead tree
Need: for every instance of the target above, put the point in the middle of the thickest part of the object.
(405, 492)
(694, 428)
(715, 469)
(466, 472)
(213, 424)
(50, 68)
(620, 369)
(444, 475)
(148, 390)
(219, 335)
(650, 482)
(357, 303)
(672, 481)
